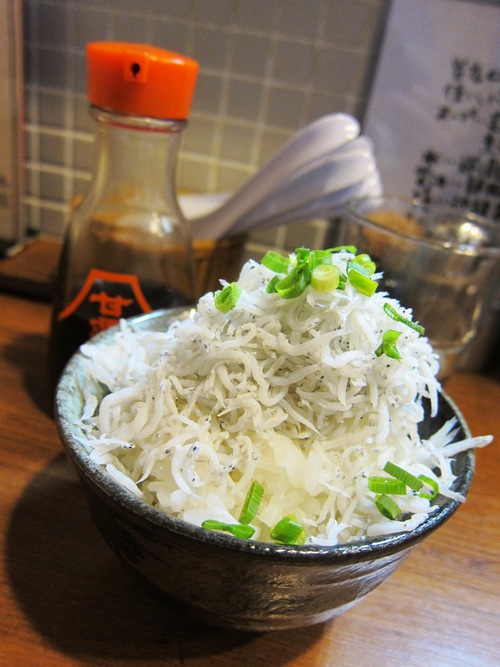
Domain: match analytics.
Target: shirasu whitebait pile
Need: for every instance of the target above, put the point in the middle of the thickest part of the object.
(285, 391)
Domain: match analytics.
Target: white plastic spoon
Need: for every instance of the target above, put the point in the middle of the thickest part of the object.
(323, 207)
(341, 169)
(320, 137)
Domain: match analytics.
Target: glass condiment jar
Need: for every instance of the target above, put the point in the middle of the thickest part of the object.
(127, 248)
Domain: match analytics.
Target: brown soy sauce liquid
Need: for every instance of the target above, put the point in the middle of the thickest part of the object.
(105, 296)
(77, 328)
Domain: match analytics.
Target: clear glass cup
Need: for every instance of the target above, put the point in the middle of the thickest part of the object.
(442, 262)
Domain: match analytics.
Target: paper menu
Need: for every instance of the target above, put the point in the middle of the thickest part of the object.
(434, 109)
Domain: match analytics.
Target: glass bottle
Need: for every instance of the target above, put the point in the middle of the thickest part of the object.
(127, 248)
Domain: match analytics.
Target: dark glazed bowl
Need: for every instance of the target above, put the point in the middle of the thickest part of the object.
(225, 581)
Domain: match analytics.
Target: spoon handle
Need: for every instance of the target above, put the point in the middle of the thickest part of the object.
(324, 135)
(348, 165)
(322, 207)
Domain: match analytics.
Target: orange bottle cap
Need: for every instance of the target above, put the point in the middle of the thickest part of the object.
(140, 80)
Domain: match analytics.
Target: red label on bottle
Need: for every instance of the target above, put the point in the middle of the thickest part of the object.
(105, 298)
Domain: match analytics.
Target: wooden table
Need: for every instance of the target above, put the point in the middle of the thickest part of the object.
(66, 600)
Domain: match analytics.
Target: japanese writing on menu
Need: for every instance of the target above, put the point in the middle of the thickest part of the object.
(471, 97)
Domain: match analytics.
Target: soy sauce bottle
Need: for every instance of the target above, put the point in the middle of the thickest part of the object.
(127, 248)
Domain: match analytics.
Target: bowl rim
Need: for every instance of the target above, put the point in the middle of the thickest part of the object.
(139, 510)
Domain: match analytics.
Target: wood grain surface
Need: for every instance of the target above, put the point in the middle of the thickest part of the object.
(66, 600)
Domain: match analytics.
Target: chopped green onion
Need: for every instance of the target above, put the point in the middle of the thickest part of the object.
(342, 281)
(388, 345)
(387, 507)
(271, 286)
(319, 258)
(226, 299)
(276, 262)
(432, 483)
(404, 476)
(325, 278)
(299, 270)
(386, 485)
(371, 267)
(302, 255)
(288, 531)
(352, 264)
(252, 502)
(366, 262)
(347, 248)
(244, 532)
(295, 282)
(393, 313)
(362, 258)
(360, 281)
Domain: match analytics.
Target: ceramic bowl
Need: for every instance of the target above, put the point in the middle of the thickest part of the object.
(223, 580)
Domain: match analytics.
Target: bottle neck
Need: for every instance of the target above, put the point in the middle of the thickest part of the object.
(139, 153)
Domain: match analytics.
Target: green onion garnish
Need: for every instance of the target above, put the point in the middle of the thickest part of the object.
(244, 532)
(288, 531)
(276, 262)
(387, 506)
(366, 262)
(306, 261)
(386, 485)
(252, 502)
(302, 255)
(393, 313)
(226, 299)
(325, 278)
(342, 281)
(388, 345)
(347, 248)
(271, 286)
(404, 476)
(360, 280)
(353, 264)
(295, 282)
(430, 482)
(319, 257)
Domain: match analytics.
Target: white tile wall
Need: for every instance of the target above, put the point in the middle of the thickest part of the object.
(268, 67)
